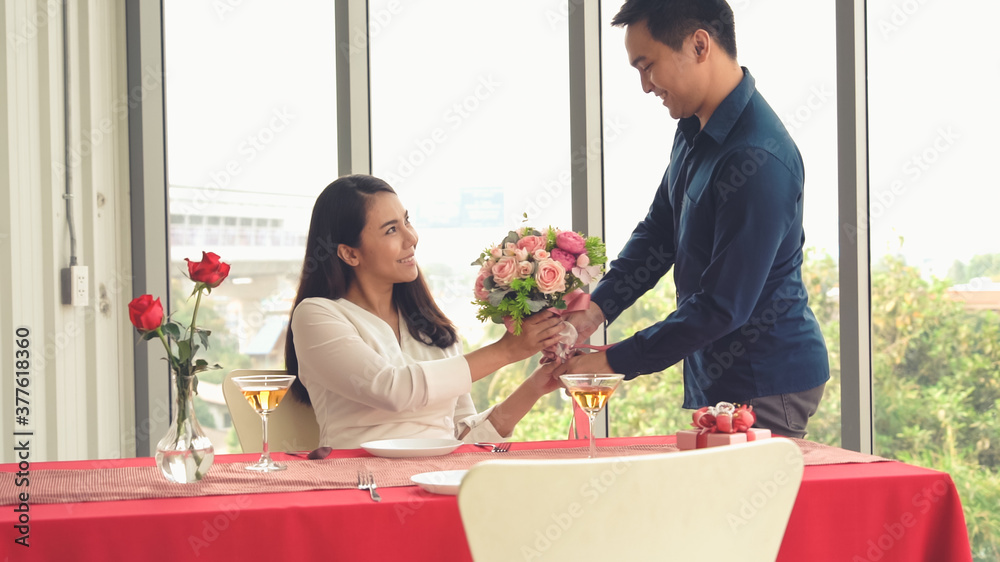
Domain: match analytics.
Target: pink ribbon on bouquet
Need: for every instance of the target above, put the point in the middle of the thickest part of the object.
(576, 301)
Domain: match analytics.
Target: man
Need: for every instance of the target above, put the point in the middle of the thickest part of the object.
(727, 217)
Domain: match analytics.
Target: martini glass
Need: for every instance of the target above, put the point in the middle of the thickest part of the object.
(591, 392)
(264, 393)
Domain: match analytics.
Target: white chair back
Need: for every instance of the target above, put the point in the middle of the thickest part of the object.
(290, 427)
(723, 502)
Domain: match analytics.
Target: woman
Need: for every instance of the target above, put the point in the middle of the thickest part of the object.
(374, 355)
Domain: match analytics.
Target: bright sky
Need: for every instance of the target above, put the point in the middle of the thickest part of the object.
(474, 96)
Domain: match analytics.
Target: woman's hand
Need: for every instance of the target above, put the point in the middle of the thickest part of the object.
(545, 378)
(542, 381)
(538, 331)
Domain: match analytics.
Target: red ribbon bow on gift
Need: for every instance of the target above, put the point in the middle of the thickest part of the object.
(724, 417)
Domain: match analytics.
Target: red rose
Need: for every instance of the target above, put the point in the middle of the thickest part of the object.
(145, 313)
(209, 270)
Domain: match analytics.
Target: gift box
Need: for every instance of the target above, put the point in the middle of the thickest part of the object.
(720, 439)
(719, 425)
(688, 439)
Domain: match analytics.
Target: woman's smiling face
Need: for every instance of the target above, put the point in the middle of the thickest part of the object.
(388, 242)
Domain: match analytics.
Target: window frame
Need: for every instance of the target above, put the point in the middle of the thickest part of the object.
(147, 157)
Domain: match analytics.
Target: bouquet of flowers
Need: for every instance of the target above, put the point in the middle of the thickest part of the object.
(531, 270)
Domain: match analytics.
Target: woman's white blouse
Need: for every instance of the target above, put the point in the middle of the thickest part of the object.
(364, 385)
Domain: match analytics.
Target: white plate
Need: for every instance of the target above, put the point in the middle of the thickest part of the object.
(401, 448)
(441, 482)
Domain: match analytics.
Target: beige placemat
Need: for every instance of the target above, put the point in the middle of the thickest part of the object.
(145, 482)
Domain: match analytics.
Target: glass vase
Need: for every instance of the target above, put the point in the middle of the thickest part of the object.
(185, 454)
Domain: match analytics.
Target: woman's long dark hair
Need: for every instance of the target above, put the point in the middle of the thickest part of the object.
(338, 217)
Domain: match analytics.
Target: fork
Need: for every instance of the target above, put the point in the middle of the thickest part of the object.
(495, 447)
(366, 481)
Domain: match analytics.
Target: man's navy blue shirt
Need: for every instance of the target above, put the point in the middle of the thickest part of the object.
(728, 218)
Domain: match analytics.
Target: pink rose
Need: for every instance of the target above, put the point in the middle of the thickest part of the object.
(480, 291)
(531, 243)
(524, 269)
(565, 258)
(520, 254)
(504, 270)
(550, 276)
(583, 260)
(571, 242)
(495, 252)
(540, 255)
(509, 249)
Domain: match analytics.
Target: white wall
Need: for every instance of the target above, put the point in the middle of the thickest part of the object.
(81, 392)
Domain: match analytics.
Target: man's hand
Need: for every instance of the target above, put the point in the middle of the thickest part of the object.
(596, 363)
(586, 322)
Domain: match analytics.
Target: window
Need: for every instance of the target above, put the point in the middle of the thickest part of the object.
(470, 155)
(251, 121)
(935, 300)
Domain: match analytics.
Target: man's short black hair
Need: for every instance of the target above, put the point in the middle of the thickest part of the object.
(672, 21)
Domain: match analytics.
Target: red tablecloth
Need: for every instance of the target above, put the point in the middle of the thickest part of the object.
(873, 512)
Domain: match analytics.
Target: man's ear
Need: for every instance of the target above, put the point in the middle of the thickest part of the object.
(348, 255)
(701, 41)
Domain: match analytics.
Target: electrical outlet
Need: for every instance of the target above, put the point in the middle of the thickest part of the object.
(75, 285)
